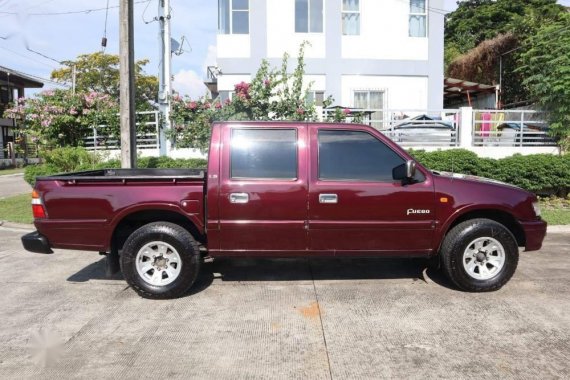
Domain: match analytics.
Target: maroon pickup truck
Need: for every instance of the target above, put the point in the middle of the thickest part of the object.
(287, 189)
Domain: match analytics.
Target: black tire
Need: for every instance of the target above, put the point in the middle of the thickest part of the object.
(177, 237)
(456, 242)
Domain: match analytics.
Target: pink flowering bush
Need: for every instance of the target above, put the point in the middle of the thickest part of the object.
(271, 95)
(61, 118)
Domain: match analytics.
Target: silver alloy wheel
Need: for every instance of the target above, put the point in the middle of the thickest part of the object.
(158, 263)
(484, 258)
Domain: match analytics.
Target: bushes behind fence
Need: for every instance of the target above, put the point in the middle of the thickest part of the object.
(544, 174)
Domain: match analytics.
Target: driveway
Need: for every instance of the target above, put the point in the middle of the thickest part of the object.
(265, 319)
(13, 184)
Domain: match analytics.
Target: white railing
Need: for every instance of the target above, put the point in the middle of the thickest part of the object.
(147, 134)
(414, 127)
(510, 128)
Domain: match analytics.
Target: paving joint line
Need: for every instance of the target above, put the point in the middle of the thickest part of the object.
(320, 318)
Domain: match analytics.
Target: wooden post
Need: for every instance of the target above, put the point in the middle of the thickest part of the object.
(127, 85)
(12, 153)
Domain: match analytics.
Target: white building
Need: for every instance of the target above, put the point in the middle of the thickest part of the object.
(374, 54)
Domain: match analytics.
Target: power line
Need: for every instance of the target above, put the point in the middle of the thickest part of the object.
(86, 11)
(104, 39)
(43, 55)
(30, 7)
(29, 58)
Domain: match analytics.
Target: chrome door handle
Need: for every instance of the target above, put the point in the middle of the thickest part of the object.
(328, 198)
(239, 197)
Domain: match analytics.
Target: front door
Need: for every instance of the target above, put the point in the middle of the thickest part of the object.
(263, 190)
(355, 205)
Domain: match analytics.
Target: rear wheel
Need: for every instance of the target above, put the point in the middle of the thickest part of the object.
(160, 260)
(479, 255)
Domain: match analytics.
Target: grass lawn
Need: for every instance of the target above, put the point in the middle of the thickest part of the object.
(11, 171)
(555, 211)
(16, 209)
(556, 217)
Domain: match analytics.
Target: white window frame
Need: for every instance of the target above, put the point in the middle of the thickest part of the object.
(309, 19)
(359, 12)
(384, 92)
(424, 14)
(313, 94)
(231, 19)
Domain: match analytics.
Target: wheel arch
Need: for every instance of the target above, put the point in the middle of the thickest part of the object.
(129, 222)
(498, 215)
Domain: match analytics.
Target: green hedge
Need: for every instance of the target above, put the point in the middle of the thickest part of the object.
(543, 174)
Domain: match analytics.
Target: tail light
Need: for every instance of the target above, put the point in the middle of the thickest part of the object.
(38, 206)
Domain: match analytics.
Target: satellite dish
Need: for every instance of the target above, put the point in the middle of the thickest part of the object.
(174, 46)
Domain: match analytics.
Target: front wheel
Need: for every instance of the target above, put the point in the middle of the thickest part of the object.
(479, 255)
(160, 260)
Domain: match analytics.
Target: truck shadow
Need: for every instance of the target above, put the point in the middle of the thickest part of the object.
(242, 270)
(259, 270)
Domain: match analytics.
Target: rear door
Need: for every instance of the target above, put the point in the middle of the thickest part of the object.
(355, 205)
(263, 189)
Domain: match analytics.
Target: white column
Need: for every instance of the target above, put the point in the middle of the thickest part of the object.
(465, 127)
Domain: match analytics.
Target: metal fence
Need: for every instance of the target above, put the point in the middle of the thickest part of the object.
(510, 128)
(148, 124)
(413, 127)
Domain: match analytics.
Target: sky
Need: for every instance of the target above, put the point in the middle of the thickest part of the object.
(28, 24)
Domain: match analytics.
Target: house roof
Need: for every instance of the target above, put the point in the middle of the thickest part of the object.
(453, 88)
(19, 79)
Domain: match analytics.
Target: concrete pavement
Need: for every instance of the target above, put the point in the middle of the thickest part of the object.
(265, 319)
(13, 184)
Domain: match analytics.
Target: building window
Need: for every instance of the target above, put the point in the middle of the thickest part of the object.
(315, 97)
(6, 95)
(308, 16)
(418, 18)
(263, 154)
(355, 156)
(351, 17)
(371, 100)
(225, 95)
(233, 16)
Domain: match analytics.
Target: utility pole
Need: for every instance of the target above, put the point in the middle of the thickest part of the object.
(127, 85)
(73, 78)
(165, 75)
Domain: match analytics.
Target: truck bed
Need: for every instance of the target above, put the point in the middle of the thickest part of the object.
(107, 175)
(84, 208)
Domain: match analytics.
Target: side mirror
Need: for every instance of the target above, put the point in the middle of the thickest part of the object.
(405, 172)
(410, 169)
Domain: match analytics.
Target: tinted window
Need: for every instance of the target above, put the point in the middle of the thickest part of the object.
(352, 155)
(264, 153)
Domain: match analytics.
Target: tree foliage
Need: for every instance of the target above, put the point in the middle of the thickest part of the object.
(475, 21)
(99, 72)
(480, 32)
(61, 118)
(545, 66)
